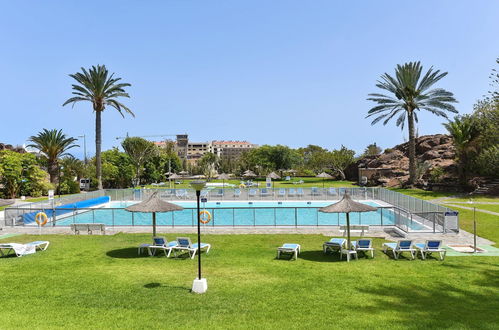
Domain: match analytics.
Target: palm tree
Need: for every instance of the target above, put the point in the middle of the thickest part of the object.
(464, 132)
(410, 93)
(101, 89)
(52, 144)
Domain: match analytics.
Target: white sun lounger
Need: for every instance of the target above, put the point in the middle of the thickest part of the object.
(400, 247)
(159, 244)
(185, 244)
(23, 249)
(334, 245)
(289, 248)
(364, 245)
(431, 246)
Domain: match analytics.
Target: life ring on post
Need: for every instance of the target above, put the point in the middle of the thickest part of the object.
(41, 218)
(204, 216)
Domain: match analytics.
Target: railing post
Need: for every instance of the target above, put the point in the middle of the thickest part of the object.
(133, 219)
(112, 212)
(296, 217)
(254, 218)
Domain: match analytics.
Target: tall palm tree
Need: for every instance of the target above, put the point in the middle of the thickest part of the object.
(52, 144)
(100, 88)
(410, 93)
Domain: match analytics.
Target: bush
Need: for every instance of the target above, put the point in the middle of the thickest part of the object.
(488, 162)
(436, 174)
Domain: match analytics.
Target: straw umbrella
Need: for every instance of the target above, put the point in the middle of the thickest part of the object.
(174, 176)
(347, 205)
(152, 205)
(223, 177)
(324, 175)
(274, 176)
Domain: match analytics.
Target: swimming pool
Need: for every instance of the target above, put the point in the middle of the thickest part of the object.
(262, 213)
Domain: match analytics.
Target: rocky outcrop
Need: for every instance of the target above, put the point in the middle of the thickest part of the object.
(11, 147)
(392, 166)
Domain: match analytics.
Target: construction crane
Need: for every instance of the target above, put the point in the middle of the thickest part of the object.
(145, 136)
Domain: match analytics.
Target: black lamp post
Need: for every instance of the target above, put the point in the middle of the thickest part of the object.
(200, 285)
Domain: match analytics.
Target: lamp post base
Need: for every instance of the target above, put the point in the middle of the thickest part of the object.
(199, 285)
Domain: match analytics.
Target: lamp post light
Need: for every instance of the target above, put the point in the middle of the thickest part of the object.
(84, 147)
(199, 285)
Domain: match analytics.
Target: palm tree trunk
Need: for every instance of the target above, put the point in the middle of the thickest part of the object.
(53, 170)
(98, 139)
(412, 148)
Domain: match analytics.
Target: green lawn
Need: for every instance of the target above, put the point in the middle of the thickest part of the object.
(100, 282)
(423, 194)
(487, 224)
(478, 199)
(488, 207)
(307, 182)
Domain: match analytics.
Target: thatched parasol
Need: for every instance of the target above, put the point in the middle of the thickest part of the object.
(249, 173)
(153, 205)
(323, 175)
(273, 175)
(183, 172)
(347, 205)
(223, 177)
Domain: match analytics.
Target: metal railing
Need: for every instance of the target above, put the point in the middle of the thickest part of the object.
(406, 212)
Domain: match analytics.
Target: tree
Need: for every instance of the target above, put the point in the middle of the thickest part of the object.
(101, 89)
(372, 150)
(20, 174)
(315, 158)
(341, 159)
(52, 144)
(209, 164)
(139, 150)
(464, 133)
(410, 93)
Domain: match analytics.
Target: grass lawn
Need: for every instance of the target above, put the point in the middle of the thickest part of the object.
(478, 199)
(487, 224)
(101, 282)
(307, 182)
(488, 207)
(423, 194)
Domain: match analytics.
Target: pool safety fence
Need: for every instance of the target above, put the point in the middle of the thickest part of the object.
(405, 212)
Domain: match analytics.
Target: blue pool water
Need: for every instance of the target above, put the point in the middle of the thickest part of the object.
(234, 214)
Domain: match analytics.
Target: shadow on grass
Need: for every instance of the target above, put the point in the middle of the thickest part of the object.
(126, 253)
(319, 256)
(156, 285)
(441, 304)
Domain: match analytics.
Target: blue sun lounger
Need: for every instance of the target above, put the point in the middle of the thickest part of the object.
(364, 245)
(289, 248)
(431, 246)
(334, 245)
(185, 244)
(400, 247)
(159, 244)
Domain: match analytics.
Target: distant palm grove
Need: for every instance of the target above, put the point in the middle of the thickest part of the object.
(140, 162)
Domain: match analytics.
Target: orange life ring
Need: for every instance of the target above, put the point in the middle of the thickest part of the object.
(204, 217)
(44, 219)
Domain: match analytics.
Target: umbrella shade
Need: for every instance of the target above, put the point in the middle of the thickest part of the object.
(168, 173)
(273, 175)
(249, 173)
(183, 172)
(324, 175)
(174, 176)
(347, 205)
(223, 176)
(152, 205)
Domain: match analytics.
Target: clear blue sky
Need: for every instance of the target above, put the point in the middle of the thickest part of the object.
(271, 72)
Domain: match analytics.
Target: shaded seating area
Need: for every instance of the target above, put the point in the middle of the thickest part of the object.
(334, 245)
(364, 246)
(159, 244)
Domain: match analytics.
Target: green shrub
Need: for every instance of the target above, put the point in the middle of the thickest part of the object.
(436, 174)
(488, 162)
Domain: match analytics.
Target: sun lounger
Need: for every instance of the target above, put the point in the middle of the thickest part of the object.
(289, 248)
(299, 192)
(23, 249)
(400, 247)
(314, 191)
(181, 193)
(252, 193)
(332, 192)
(431, 246)
(281, 192)
(364, 245)
(220, 193)
(237, 193)
(291, 192)
(185, 244)
(264, 192)
(161, 244)
(334, 245)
